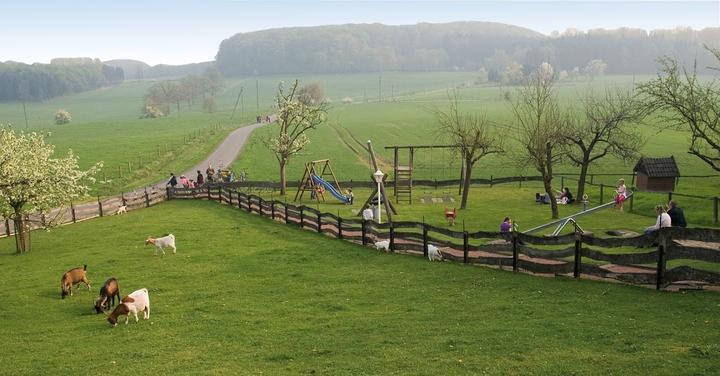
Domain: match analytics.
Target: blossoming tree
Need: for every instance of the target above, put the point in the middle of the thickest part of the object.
(33, 180)
(294, 119)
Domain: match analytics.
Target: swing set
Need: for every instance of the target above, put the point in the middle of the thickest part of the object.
(403, 184)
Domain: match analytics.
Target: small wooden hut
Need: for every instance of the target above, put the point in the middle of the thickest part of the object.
(656, 174)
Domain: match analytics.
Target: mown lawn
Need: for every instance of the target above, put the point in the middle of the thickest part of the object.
(244, 295)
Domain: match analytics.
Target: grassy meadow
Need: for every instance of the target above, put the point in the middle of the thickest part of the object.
(244, 295)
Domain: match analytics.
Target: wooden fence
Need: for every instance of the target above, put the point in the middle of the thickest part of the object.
(80, 212)
(575, 255)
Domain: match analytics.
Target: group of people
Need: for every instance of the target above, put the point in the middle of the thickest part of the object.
(562, 197)
(668, 216)
(211, 176)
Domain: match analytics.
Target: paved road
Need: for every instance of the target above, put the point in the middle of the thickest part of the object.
(225, 154)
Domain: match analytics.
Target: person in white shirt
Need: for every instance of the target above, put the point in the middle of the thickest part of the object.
(663, 220)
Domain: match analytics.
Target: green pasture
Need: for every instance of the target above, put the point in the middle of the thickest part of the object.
(244, 295)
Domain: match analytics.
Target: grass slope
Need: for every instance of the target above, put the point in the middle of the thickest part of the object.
(248, 296)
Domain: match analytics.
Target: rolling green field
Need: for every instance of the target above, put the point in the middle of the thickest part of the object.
(244, 295)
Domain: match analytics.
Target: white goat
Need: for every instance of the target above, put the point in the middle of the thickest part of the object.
(122, 209)
(161, 243)
(383, 245)
(434, 253)
(137, 301)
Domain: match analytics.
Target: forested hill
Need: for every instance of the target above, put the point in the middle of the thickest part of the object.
(368, 48)
(62, 76)
(454, 46)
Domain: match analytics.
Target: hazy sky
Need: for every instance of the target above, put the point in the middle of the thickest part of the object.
(184, 31)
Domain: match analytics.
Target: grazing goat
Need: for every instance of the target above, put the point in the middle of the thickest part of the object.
(108, 292)
(137, 301)
(383, 245)
(122, 209)
(161, 243)
(434, 253)
(73, 277)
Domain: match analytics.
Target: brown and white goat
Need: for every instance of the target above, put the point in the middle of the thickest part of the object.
(108, 292)
(71, 278)
(137, 301)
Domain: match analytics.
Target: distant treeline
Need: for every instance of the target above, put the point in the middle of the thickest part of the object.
(20, 81)
(454, 46)
(138, 70)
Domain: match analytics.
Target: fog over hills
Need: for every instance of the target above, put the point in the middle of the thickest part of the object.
(500, 51)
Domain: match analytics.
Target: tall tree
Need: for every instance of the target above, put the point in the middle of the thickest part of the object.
(469, 135)
(294, 120)
(33, 180)
(683, 101)
(540, 126)
(605, 126)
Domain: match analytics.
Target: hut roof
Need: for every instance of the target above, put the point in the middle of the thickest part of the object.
(658, 167)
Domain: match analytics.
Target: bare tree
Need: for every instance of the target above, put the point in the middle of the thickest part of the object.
(541, 127)
(604, 127)
(470, 136)
(294, 119)
(684, 102)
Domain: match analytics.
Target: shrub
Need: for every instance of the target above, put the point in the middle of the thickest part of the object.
(150, 111)
(62, 117)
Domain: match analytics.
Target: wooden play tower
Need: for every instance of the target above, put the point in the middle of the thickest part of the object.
(403, 173)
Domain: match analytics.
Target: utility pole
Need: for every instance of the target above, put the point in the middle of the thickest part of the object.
(25, 112)
(379, 89)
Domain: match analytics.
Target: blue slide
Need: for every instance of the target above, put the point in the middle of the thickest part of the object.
(329, 187)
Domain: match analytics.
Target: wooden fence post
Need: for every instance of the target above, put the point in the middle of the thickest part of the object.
(715, 208)
(100, 208)
(72, 211)
(515, 251)
(425, 239)
(660, 273)
(632, 200)
(147, 199)
(339, 227)
(220, 194)
(578, 257)
(7, 227)
(363, 231)
(466, 247)
(167, 191)
(230, 197)
(260, 206)
(302, 217)
(122, 197)
(491, 181)
(209, 196)
(602, 188)
(272, 209)
(286, 213)
(592, 177)
(392, 237)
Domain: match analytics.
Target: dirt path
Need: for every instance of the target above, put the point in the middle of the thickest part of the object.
(223, 155)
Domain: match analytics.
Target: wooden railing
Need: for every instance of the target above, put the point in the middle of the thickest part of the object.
(73, 213)
(576, 254)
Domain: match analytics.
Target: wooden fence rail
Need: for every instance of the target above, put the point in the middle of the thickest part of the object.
(573, 255)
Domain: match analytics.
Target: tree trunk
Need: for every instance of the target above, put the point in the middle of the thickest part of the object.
(547, 182)
(466, 183)
(283, 179)
(581, 181)
(547, 179)
(22, 235)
